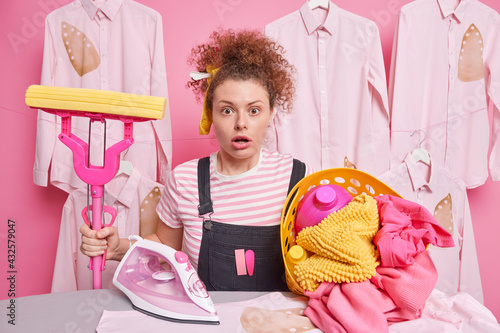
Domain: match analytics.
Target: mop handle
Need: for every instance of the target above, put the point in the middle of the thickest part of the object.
(95, 176)
(106, 209)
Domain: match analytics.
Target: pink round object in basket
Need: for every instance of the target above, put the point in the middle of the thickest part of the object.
(318, 203)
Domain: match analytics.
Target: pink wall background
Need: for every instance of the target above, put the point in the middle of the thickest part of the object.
(37, 210)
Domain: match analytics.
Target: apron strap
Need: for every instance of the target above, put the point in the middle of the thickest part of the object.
(205, 206)
(298, 172)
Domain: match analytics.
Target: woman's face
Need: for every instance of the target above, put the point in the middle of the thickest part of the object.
(241, 115)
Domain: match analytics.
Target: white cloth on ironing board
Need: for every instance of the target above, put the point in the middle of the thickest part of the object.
(128, 195)
(271, 313)
(126, 54)
(274, 311)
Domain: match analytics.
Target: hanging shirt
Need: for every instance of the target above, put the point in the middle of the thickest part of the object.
(444, 67)
(253, 198)
(134, 198)
(114, 45)
(445, 196)
(340, 115)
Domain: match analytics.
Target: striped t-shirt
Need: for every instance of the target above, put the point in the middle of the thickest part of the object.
(253, 198)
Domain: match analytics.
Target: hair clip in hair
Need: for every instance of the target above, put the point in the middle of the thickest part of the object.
(199, 75)
(206, 118)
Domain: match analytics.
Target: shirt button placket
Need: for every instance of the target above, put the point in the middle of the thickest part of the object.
(103, 48)
(451, 82)
(325, 156)
(101, 21)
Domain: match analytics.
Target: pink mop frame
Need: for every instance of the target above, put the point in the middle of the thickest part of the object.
(95, 176)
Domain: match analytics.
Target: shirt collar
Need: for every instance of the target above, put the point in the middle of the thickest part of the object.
(110, 8)
(447, 9)
(125, 194)
(312, 23)
(417, 178)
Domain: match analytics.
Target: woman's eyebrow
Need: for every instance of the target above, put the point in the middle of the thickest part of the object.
(223, 101)
(256, 102)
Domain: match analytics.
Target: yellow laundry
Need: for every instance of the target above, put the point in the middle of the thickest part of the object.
(342, 245)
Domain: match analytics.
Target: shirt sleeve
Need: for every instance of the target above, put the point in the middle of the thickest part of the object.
(46, 129)
(271, 141)
(492, 79)
(65, 272)
(380, 108)
(167, 208)
(309, 170)
(398, 92)
(159, 87)
(470, 278)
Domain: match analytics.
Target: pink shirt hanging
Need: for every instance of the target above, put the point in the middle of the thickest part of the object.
(444, 68)
(445, 196)
(340, 116)
(110, 45)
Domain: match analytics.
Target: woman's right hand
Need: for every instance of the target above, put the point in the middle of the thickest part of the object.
(94, 242)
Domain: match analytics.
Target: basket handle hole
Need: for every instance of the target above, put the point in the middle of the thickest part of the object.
(355, 182)
(340, 180)
(352, 190)
(300, 199)
(370, 189)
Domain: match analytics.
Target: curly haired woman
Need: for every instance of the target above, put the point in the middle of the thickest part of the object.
(224, 210)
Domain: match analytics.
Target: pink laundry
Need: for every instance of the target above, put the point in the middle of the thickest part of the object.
(403, 282)
(406, 229)
(392, 295)
(431, 186)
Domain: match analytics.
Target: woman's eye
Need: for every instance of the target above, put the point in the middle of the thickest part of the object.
(254, 111)
(226, 111)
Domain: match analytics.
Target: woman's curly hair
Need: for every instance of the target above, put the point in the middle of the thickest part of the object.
(244, 55)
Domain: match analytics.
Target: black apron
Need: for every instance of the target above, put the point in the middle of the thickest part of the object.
(217, 262)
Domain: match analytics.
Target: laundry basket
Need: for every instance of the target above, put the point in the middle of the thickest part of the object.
(353, 180)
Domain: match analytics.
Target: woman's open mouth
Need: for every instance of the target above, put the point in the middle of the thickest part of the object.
(241, 142)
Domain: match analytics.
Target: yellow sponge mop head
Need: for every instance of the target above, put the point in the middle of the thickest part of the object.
(96, 101)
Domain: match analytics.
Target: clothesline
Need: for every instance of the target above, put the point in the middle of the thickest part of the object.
(83, 132)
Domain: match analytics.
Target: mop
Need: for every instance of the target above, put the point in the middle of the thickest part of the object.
(97, 105)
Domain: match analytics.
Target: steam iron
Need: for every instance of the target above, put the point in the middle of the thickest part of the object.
(160, 282)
